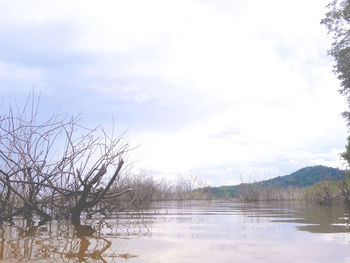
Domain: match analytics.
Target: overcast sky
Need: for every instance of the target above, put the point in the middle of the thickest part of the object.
(229, 90)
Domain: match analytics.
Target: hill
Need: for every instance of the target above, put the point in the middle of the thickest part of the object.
(304, 177)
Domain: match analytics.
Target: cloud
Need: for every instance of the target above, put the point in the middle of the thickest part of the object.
(215, 86)
(12, 71)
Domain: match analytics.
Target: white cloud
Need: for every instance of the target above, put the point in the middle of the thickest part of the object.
(266, 134)
(12, 71)
(255, 72)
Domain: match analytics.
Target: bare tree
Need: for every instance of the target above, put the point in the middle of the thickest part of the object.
(56, 167)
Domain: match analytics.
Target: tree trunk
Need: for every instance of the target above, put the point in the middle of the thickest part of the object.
(76, 216)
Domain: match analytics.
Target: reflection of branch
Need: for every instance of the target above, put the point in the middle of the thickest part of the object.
(29, 246)
(2, 243)
(84, 245)
(83, 253)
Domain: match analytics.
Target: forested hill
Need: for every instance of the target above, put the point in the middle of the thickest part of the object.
(307, 176)
(302, 178)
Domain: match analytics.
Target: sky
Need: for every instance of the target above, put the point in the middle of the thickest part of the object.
(231, 91)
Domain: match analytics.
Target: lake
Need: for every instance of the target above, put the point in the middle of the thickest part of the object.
(191, 231)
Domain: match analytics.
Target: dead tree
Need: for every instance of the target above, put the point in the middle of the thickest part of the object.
(56, 167)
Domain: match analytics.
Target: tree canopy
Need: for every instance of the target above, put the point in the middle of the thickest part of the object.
(337, 21)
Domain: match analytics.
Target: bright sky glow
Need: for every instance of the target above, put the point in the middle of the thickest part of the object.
(227, 89)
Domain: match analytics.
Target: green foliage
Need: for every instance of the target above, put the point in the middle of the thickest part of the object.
(304, 177)
(346, 155)
(345, 191)
(337, 21)
(307, 176)
(325, 193)
(225, 191)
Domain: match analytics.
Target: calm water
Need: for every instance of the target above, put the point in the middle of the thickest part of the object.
(189, 232)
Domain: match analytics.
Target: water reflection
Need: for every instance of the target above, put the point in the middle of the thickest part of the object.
(311, 218)
(186, 232)
(59, 241)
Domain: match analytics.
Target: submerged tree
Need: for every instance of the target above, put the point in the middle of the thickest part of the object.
(56, 167)
(337, 21)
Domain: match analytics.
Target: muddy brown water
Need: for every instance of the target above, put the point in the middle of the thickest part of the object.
(196, 231)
